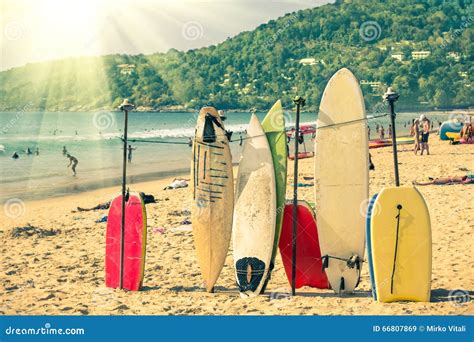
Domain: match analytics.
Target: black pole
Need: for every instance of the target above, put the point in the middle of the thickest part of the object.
(125, 106)
(392, 96)
(300, 102)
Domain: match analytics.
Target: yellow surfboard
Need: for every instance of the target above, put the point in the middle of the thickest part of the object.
(400, 246)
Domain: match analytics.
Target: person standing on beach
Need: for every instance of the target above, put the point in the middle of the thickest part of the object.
(368, 131)
(130, 149)
(190, 142)
(382, 132)
(466, 132)
(64, 151)
(425, 133)
(72, 161)
(415, 132)
(389, 131)
(37, 151)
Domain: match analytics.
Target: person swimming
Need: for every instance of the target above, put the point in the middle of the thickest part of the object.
(15, 155)
(28, 151)
(72, 162)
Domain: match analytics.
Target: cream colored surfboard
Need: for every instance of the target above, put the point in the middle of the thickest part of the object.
(213, 195)
(255, 212)
(342, 179)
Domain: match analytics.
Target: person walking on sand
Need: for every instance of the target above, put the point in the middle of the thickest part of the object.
(415, 132)
(382, 132)
(425, 133)
(130, 149)
(72, 161)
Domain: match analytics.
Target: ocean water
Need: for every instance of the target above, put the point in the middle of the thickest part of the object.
(94, 139)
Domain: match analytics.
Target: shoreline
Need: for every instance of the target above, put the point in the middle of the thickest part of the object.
(132, 179)
(467, 111)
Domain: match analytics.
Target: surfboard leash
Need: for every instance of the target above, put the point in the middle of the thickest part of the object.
(399, 207)
(353, 261)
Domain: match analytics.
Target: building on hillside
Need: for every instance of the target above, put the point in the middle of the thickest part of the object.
(308, 61)
(397, 56)
(375, 85)
(126, 69)
(454, 55)
(420, 54)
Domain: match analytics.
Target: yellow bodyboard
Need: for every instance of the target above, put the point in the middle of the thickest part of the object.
(453, 135)
(401, 262)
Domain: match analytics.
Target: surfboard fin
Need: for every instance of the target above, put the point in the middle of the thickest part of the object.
(127, 195)
(325, 262)
(269, 275)
(342, 286)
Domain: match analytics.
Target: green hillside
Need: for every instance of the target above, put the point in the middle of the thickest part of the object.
(423, 48)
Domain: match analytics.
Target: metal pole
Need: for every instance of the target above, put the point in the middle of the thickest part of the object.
(125, 106)
(299, 101)
(391, 96)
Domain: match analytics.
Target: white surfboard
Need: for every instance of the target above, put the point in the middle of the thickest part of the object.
(253, 229)
(342, 180)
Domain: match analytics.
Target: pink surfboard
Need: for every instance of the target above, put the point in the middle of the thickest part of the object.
(134, 247)
(309, 266)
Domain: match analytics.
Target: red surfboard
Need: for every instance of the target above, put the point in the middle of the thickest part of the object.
(309, 267)
(135, 243)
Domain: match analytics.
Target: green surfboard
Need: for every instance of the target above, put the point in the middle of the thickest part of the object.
(274, 126)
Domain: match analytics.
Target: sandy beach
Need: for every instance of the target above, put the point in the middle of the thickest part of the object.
(58, 268)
